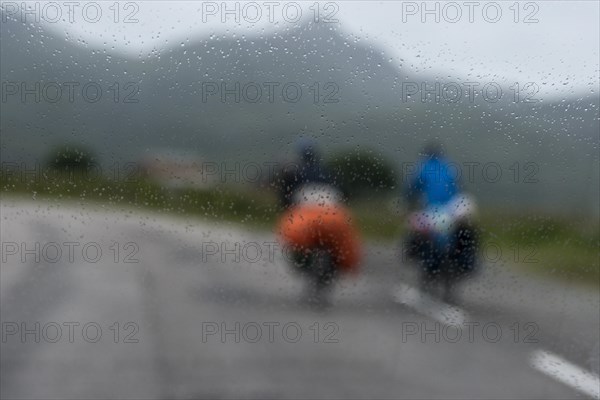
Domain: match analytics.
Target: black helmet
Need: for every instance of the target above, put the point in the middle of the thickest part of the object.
(433, 149)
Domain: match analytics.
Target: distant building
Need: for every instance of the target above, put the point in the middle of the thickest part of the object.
(176, 170)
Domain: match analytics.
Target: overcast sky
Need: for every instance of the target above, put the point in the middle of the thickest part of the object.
(553, 43)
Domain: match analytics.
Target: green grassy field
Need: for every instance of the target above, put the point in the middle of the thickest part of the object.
(556, 246)
(563, 248)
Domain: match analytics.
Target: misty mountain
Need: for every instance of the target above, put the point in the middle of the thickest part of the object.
(353, 94)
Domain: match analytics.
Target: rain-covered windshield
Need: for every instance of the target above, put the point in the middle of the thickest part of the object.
(303, 199)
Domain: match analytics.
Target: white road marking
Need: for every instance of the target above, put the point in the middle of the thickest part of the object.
(566, 372)
(428, 306)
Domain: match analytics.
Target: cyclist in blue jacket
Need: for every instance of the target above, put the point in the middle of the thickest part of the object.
(434, 184)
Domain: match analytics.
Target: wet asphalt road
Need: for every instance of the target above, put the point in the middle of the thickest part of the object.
(130, 305)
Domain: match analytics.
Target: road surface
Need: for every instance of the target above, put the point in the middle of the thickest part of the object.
(110, 303)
